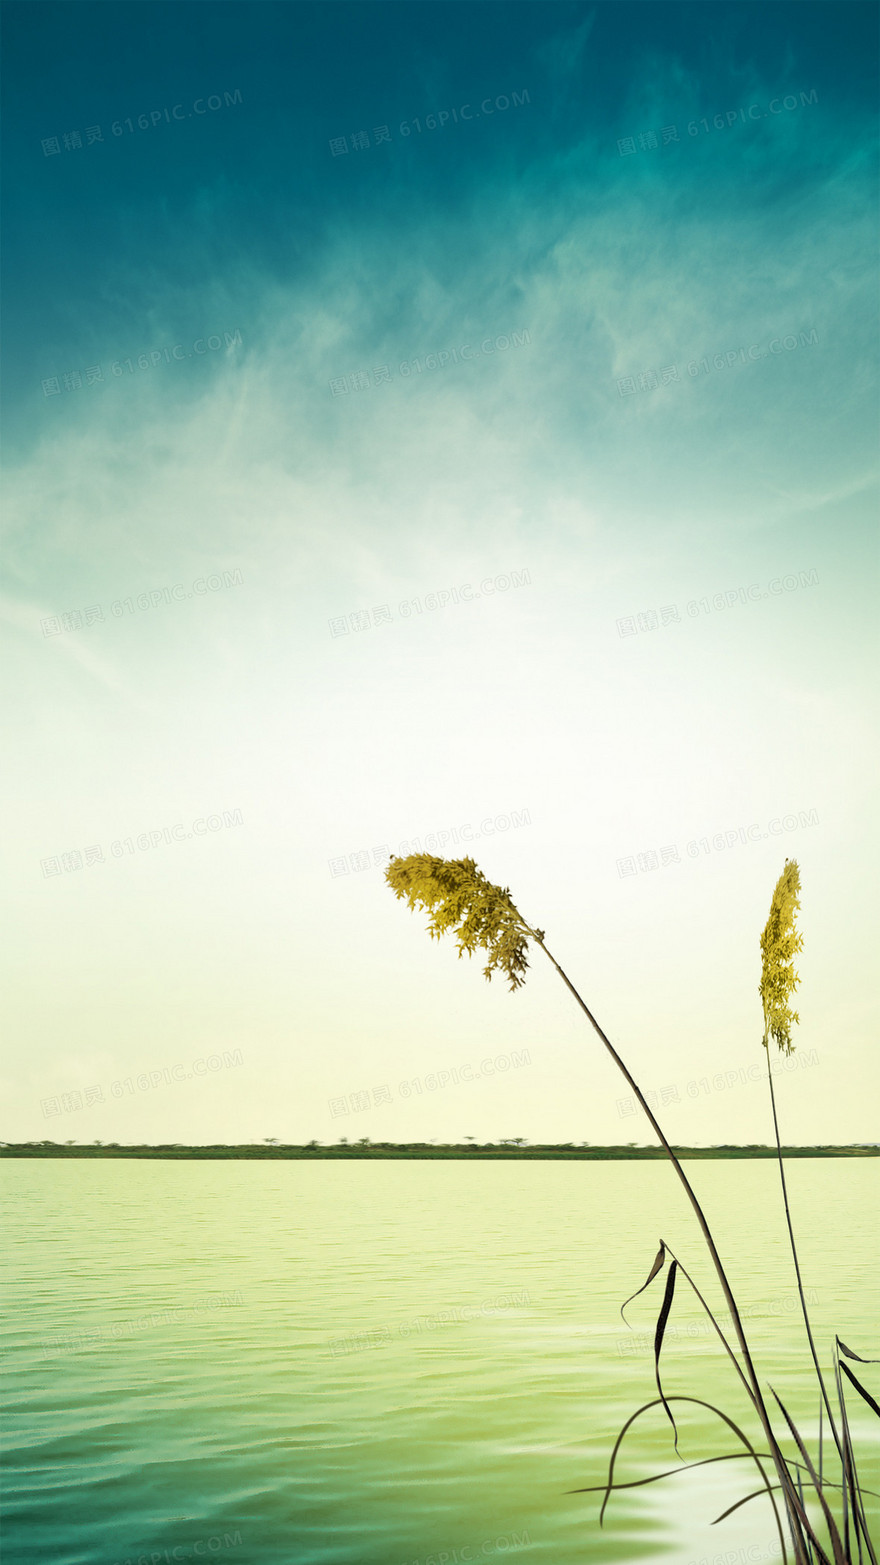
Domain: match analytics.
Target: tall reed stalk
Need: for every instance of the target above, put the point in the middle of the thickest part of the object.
(458, 897)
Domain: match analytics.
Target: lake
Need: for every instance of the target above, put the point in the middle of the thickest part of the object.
(381, 1363)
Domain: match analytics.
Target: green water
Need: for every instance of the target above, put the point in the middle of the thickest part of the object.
(381, 1363)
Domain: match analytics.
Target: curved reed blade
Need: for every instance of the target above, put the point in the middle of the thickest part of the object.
(658, 1262)
(860, 1523)
(840, 1558)
(859, 1387)
(755, 1494)
(658, 1341)
(703, 1461)
(851, 1476)
(850, 1355)
(737, 1503)
(750, 1451)
(617, 1444)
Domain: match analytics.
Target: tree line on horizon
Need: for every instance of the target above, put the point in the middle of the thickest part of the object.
(516, 1146)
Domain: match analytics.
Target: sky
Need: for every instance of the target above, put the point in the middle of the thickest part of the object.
(450, 428)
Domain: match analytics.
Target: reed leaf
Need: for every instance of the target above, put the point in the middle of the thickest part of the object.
(858, 1385)
(836, 1543)
(658, 1262)
(724, 1342)
(842, 1347)
(703, 1461)
(852, 1492)
(749, 1451)
(755, 1495)
(658, 1340)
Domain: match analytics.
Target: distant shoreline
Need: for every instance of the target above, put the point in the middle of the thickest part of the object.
(487, 1152)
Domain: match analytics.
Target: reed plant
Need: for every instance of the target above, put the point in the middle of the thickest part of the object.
(458, 897)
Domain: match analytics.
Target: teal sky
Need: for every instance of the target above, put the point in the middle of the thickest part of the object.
(288, 360)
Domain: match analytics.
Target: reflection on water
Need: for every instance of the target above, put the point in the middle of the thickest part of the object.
(381, 1363)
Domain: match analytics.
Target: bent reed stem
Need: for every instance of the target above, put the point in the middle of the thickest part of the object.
(796, 1513)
